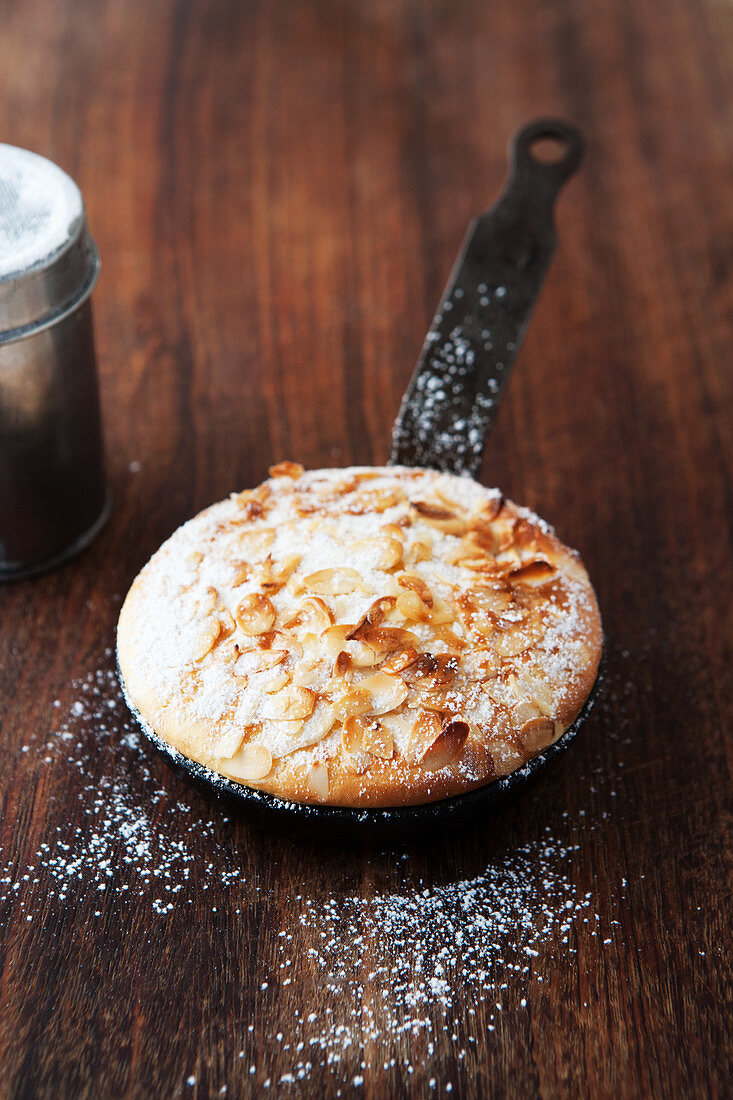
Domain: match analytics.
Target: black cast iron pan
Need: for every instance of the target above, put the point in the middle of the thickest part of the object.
(445, 418)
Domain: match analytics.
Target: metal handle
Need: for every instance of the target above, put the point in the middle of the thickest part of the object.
(452, 399)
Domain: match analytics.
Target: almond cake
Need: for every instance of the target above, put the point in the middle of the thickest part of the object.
(362, 637)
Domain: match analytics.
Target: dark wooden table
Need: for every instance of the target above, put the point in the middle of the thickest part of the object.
(278, 191)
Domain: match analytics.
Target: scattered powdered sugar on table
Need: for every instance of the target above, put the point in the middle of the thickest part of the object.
(396, 963)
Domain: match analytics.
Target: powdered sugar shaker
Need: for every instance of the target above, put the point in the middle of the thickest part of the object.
(53, 492)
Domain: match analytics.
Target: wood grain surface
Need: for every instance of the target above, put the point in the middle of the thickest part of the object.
(278, 191)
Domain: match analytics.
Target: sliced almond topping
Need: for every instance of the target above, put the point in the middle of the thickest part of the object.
(315, 728)
(252, 762)
(426, 728)
(252, 661)
(533, 573)
(436, 515)
(375, 500)
(446, 747)
(314, 612)
(481, 538)
(537, 734)
(401, 660)
(387, 639)
(490, 597)
(241, 572)
(290, 703)
(414, 583)
(432, 670)
(512, 643)
(287, 469)
(276, 681)
(254, 543)
(390, 553)
(336, 639)
(441, 613)
(412, 608)
(490, 510)
(420, 550)
(378, 741)
(343, 664)
(255, 614)
(207, 639)
(367, 735)
(317, 781)
(392, 531)
(480, 665)
(333, 582)
(208, 603)
(348, 700)
(386, 692)
(506, 757)
(275, 575)
(373, 616)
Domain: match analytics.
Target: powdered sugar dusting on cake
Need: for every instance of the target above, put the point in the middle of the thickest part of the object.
(283, 568)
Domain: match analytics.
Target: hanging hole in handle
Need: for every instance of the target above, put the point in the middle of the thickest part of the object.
(548, 149)
(550, 146)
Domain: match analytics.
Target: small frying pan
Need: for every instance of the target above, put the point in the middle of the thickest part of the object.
(445, 418)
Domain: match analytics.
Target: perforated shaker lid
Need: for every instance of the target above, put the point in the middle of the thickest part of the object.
(48, 261)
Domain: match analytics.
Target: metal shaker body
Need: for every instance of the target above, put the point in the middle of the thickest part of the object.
(53, 492)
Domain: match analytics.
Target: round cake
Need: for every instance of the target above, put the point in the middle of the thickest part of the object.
(371, 636)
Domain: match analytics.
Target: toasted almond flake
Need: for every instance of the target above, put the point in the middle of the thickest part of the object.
(333, 582)
(207, 639)
(375, 500)
(255, 614)
(241, 572)
(413, 582)
(314, 613)
(506, 757)
(290, 703)
(287, 469)
(390, 553)
(276, 680)
(387, 639)
(490, 597)
(317, 781)
(537, 734)
(313, 729)
(480, 665)
(343, 664)
(534, 573)
(432, 670)
(352, 735)
(392, 531)
(412, 608)
(372, 617)
(348, 700)
(336, 639)
(252, 661)
(400, 660)
(378, 741)
(446, 747)
(275, 575)
(367, 735)
(436, 515)
(512, 643)
(386, 692)
(420, 550)
(252, 762)
(425, 729)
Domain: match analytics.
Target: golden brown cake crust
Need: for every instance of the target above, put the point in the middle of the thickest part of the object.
(373, 636)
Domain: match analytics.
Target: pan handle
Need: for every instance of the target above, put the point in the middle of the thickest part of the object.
(451, 402)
